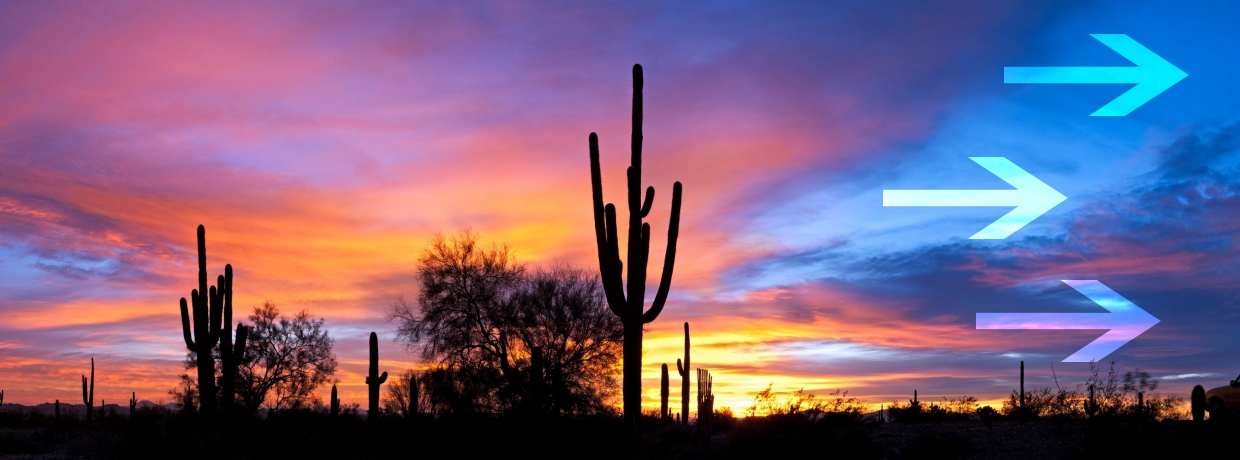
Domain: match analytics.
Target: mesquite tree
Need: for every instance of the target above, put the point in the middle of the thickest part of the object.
(629, 307)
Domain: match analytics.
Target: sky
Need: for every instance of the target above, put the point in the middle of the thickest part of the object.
(323, 144)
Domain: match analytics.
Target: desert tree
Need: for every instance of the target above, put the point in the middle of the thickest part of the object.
(286, 360)
(479, 317)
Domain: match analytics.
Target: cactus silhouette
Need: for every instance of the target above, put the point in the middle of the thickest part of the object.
(133, 403)
(1198, 403)
(1091, 406)
(208, 319)
(335, 410)
(1, 398)
(230, 354)
(706, 405)
(663, 392)
(1022, 384)
(89, 398)
(628, 307)
(373, 380)
(56, 414)
(684, 377)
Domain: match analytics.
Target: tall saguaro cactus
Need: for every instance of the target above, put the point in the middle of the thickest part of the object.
(89, 398)
(684, 378)
(208, 319)
(629, 307)
(374, 379)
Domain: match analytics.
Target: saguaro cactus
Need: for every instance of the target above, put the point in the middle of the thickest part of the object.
(684, 377)
(1091, 406)
(230, 354)
(335, 410)
(208, 309)
(1, 398)
(89, 398)
(663, 393)
(629, 307)
(133, 403)
(1198, 403)
(706, 405)
(373, 380)
(1022, 384)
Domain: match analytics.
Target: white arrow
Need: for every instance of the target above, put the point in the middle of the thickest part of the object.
(1032, 198)
(1125, 321)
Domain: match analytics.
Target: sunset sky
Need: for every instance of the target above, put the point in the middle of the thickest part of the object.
(322, 147)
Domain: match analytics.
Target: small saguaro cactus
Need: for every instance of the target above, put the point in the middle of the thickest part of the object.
(1022, 384)
(133, 403)
(663, 393)
(56, 414)
(629, 306)
(1, 398)
(1198, 403)
(89, 398)
(1140, 403)
(335, 410)
(914, 402)
(706, 405)
(1091, 406)
(373, 380)
(684, 378)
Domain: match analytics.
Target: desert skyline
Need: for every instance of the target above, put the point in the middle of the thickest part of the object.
(322, 149)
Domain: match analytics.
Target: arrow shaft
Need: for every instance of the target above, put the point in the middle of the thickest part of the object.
(1074, 75)
(953, 197)
(1047, 321)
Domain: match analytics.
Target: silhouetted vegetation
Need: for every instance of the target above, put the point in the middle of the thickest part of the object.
(479, 318)
(628, 305)
(374, 380)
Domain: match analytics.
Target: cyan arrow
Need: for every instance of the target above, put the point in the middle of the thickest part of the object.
(1126, 321)
(1032, 198)
(1153, 75)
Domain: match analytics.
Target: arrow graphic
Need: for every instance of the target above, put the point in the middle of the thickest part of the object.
(1032, 198)
(1125, 321)
(1153, 75)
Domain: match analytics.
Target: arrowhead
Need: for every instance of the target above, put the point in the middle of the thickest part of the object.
(1127, 321)
(1035, 198)
(1155, 75)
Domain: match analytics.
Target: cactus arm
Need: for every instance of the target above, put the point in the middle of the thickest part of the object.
(612, 284)
(680, 370)
(383, 378)
(239, 347)
(84, 400)
(189, 340)
(92, 380)
(669, 259)
(605, 233)
(217, 311)
(648, 203)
